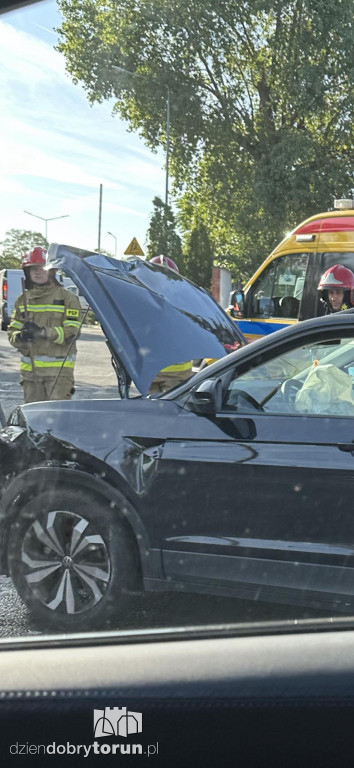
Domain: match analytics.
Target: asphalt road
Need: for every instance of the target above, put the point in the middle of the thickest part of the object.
(95, 378)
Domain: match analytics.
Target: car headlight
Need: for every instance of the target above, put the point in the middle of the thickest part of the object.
(10, 434)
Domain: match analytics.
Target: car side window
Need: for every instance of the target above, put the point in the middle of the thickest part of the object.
(313, 379)
(278, 290)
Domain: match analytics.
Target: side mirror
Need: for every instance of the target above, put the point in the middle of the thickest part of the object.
(237, 304)
(206, 399)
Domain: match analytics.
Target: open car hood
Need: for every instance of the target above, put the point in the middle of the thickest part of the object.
(151, 316)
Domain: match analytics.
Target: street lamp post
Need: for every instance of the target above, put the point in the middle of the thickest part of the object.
(115, 242)
(136, 74)
(167, 143)
(53, 218)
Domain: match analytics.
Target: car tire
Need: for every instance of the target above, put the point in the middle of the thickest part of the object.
(72, 560)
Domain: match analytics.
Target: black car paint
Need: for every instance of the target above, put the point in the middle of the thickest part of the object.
(151, 316)
(230, 504)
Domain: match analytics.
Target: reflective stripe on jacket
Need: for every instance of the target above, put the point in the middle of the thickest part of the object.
(58, 311)
(47, 362)
(178, 367)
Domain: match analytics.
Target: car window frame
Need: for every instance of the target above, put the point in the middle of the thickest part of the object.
(276, 344)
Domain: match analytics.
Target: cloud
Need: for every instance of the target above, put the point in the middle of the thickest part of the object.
(56, 149)
(18, 48)
(34, 162)
(51, 131)
(88, 203)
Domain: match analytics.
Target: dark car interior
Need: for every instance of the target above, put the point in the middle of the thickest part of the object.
(277, 306)
(208, 697)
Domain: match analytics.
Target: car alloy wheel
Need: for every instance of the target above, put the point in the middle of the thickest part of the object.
(73, 559)
(67, 564)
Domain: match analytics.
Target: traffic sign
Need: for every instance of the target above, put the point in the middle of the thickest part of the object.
(134, 249)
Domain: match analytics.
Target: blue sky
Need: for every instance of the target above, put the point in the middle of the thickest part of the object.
(56, 149)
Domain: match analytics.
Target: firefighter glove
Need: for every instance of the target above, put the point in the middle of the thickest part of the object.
(23, 336)
(32, 331)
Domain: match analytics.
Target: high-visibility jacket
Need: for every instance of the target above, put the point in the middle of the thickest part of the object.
(58, 311)
(178, 367)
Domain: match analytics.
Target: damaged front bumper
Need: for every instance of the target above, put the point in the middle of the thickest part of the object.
(14, 454)
(12, 439)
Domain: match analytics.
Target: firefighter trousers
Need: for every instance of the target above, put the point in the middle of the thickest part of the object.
(37, 390)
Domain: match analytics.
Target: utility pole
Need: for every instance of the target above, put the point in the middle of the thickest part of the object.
(99, 220)
(167, 143)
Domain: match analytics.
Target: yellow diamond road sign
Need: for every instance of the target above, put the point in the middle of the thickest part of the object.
(134, 249)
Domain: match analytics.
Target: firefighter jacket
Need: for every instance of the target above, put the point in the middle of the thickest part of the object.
(58, 311)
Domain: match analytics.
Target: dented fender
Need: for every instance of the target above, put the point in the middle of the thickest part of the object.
(37, 479)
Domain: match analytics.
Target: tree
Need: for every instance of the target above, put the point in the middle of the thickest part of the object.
(16, 243)
(161, 236)
(198, 257)
(262, 103)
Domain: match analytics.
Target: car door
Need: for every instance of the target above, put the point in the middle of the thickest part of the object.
(262, 498)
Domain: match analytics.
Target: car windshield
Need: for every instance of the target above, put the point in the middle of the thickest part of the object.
(153, 155)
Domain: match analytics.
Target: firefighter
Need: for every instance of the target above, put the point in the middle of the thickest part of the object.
(180, 372)
(44, 322)
(336, 286)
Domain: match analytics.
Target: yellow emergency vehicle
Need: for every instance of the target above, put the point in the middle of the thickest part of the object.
(284, 288)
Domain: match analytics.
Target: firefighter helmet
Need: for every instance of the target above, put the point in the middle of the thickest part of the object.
(337, 277)
(164, 261)
(34, 258)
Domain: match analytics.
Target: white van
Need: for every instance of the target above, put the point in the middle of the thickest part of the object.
(10, 288)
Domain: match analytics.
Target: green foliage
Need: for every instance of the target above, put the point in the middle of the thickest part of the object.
(262, 104)
(161, 236)
(8, 262)
(198, 257)
(16, 243)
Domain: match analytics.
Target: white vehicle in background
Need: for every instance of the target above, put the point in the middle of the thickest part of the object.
(10, 288)
(70, 286)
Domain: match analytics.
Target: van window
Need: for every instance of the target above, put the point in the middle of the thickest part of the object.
(278, 290)
(330, 259)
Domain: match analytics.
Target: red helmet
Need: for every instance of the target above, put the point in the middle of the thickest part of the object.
(37, 257)
(337, 277)
(164, 261)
